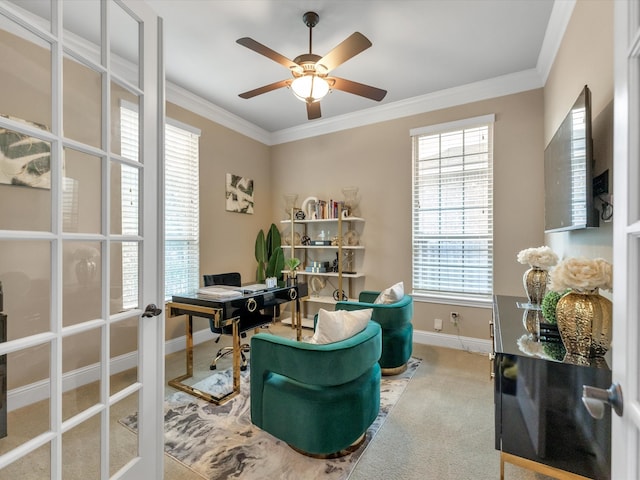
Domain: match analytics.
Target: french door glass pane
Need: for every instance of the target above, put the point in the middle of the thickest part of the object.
(124, 125)
(38, 463)
(29, 401)
(82, 281)
(38, 11)
(124, 353)
(80, 448)
(82, 192)
(81, 365)
(123, 441)
(82, 103)
(25, 273)
(81, 23)
(125, 45)
(25, 56)
(124, 277)
(125, 199)
(25, 181)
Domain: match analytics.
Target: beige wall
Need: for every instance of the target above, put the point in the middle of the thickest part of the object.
(585, 58)
(377, 159)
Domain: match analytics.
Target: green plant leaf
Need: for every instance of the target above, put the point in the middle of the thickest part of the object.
(261, 248)
(276, 264)
(274, 240)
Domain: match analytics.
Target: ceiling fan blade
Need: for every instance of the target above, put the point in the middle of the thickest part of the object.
(265, 89)
(257, 47)
(356, 88)
(313, 110)
(349, 48)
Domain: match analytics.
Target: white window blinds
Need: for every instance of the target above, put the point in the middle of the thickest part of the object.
(182, 206)
(453, 209)
(181, 210)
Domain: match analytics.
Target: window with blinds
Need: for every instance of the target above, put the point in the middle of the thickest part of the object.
(181, 208)
(453, 209)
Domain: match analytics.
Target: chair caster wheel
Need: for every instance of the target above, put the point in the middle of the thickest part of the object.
(212, 367)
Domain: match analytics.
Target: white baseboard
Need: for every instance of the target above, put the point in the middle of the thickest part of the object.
(34, 392)
(37, 391)
(456, 342)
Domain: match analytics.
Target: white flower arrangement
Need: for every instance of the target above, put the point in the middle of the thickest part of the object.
(541, 257)
(582, 274)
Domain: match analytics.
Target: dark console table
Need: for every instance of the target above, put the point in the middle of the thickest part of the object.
(540, 421)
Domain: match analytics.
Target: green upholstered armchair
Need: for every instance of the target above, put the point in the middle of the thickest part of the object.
(319, 399)
(397, 329)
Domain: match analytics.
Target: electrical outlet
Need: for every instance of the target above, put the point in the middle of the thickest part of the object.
(454, 317)
(437, 324)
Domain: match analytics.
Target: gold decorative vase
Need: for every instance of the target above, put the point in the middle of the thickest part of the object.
(531, 321)
(584, 321)
(535, 284)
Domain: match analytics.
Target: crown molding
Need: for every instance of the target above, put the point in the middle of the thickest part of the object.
(558, 21)
(192, 102)
(473, 92)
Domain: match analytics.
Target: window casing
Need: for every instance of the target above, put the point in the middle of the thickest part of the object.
(181, 209)
(452, 214)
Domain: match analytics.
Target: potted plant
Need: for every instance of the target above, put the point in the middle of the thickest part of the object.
(292, 265)
(269, 255)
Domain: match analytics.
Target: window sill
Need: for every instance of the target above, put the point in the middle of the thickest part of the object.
(458, 300)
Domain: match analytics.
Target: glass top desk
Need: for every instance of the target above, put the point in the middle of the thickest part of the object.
(228, 313)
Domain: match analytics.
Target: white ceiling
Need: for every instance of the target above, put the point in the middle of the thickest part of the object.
(420, 47)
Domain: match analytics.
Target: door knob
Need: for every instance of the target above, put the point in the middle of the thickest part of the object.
(595, 399)
(152, 311)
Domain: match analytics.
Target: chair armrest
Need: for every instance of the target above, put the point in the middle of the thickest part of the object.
(368, 296)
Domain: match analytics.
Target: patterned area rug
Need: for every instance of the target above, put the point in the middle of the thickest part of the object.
(219, 441)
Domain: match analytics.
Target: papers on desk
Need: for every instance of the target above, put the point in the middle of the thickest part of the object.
(254, 287)
(220, 292)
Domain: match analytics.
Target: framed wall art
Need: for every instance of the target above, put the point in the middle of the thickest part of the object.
(239, 194)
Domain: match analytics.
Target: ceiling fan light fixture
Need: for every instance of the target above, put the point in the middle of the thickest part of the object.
(310, 88)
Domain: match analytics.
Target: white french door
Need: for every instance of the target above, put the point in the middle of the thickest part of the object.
(626, 247)
(79, 252)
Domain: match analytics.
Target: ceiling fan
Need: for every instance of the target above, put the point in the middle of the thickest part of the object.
(310, 82)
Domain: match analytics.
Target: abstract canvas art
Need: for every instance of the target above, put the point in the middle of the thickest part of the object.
(24, 160)
(239, 194)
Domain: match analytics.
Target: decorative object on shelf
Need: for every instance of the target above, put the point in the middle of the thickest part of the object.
(292, 264)
(300, 215)
(296, 239)
(305, 240)
(308, 207)
(584, 316)
(351, 200)
(535, 279)
(269, 255)
(290, 200)
(317, 284)
(351, 238)
(336, 295)
(239, 194)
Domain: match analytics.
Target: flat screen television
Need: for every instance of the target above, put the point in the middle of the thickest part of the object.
(568, 171)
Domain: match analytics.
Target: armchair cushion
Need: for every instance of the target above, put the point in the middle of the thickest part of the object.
(339, 325)
(392, 294)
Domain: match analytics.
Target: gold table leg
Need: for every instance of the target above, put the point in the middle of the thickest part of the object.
(177, 382)
(537, 467)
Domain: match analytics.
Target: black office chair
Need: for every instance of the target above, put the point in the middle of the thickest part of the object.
(248, 320)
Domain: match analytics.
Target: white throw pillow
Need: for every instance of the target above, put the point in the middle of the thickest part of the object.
(339, 324)
(392, 294)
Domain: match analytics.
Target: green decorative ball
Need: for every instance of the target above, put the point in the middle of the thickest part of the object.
(549, 303)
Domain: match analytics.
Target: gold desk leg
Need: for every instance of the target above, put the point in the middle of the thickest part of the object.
(296, 318)
(537, 467)
(177, 382)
